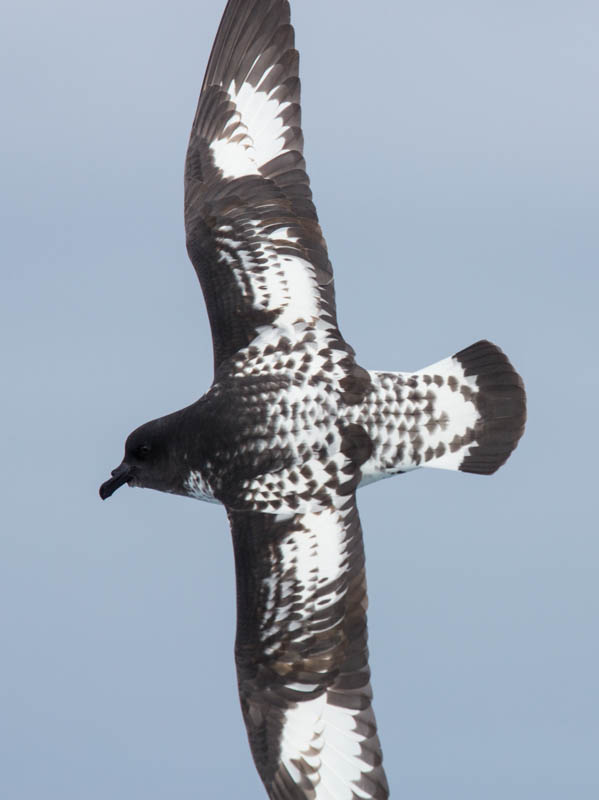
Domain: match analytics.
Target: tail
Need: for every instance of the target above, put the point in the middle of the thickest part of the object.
(465, 413)
(486, 378)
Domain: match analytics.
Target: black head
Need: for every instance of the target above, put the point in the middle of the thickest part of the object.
(149, 460)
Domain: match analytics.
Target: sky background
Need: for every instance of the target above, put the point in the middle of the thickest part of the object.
(453, 151)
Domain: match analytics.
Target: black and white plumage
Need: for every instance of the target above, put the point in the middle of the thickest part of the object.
(292, 425)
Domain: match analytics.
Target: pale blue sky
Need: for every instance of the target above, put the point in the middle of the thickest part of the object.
(454, 159)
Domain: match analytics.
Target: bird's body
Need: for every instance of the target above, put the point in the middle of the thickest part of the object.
(292, 425)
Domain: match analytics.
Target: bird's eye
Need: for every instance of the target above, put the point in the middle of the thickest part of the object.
(143, 451)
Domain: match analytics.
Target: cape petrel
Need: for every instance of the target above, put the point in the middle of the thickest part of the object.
(292, 426)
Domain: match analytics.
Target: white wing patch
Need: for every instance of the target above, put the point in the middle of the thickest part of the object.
(256, 132)
(320, 742)
(284, 283)
(311, 557)
(316, 553)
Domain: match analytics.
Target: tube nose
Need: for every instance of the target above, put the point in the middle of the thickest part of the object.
(120, 475)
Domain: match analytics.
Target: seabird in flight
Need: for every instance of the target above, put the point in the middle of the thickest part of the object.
(292, 426)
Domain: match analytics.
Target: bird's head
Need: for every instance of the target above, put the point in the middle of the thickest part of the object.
(149, 460)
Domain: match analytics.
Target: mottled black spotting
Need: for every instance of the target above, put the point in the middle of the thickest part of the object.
(466, 392)
(431, 425)
(456, 443)
(416, 440)
(322, 496)
(356, 385)
(284, 345)
(356, 444)
(501, 403)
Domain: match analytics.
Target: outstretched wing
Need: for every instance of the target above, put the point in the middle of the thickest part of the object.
(252, 231)
(302, 659)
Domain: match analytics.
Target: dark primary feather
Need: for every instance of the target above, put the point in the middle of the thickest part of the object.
(234, 221)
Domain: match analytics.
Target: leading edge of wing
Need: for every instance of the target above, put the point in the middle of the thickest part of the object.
(252, 230)
(301, 654)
